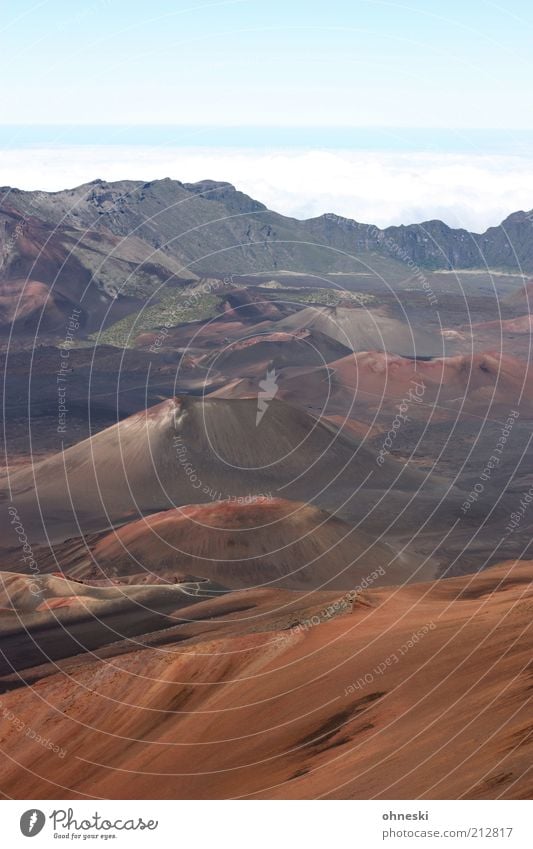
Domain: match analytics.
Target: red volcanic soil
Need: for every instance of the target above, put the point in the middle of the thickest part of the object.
(26, 302)
(521, 298)
(53, 603)
(522, 324)
(363, 383)
(385, 374)
(413, 693)
(269, 542)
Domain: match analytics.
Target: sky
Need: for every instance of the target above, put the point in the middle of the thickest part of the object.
(378, 110)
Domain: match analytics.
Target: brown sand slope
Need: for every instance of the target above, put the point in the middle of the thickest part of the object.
(186, 450)
(473, 384)
(275, 542)
(420, 692)
(367, 384)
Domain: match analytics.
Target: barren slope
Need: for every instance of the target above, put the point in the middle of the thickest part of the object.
(416, 693)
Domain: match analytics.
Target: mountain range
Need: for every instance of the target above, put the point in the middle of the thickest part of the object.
(170, 217)
(115, 244)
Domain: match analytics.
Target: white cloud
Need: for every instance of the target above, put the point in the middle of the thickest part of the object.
(472, 191)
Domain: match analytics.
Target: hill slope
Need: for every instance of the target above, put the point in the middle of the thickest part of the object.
(180, 219)
(270, 542)
(404, 693)
(186, 450)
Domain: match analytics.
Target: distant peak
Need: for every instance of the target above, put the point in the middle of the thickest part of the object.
(225, 193)
(209, 185)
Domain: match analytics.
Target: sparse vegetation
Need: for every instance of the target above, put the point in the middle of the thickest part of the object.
(175, 307)
(186, 305)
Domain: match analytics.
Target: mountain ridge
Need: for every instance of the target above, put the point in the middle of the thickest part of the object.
(133, 207)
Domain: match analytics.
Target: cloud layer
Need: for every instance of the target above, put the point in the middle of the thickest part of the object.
(464, 190)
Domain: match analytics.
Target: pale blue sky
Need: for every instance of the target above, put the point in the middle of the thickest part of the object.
(331, 63)
(386, 112)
